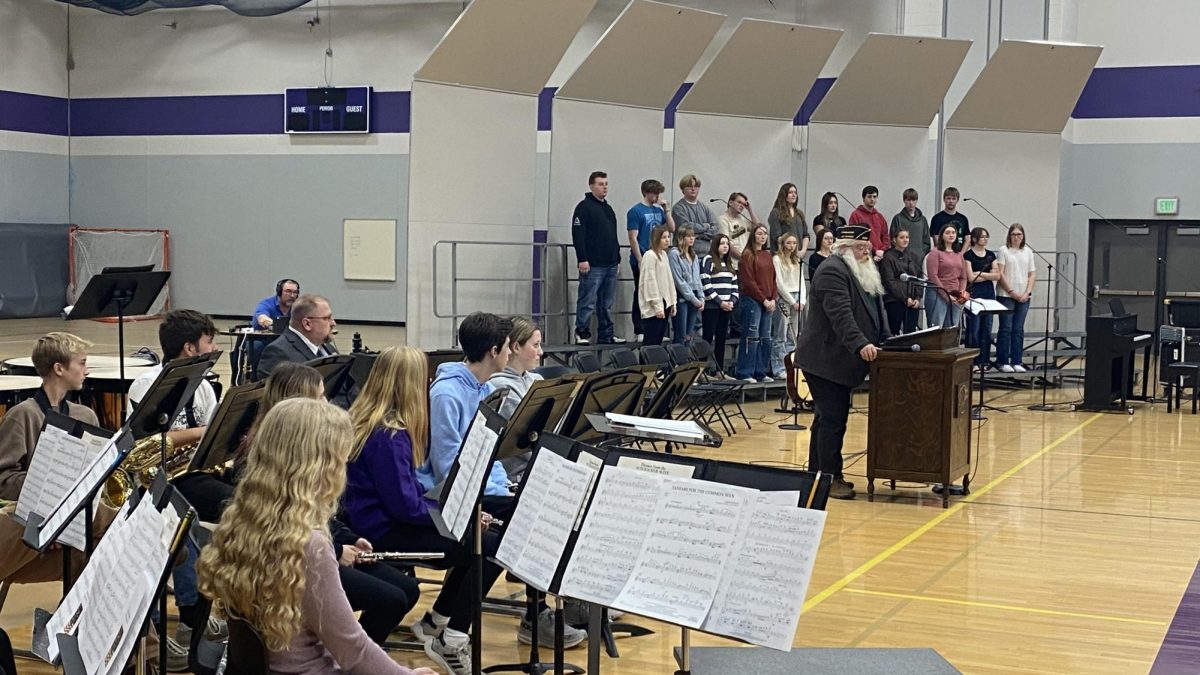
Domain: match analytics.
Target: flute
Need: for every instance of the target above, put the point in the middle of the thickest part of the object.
(376, 556)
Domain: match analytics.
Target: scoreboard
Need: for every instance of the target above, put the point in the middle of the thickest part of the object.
(319, 110)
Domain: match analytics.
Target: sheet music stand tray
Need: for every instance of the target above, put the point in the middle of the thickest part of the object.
(119, 292)
(335, 370)
(977, 411)
(542, 408)
(604, 425)
(233, 419)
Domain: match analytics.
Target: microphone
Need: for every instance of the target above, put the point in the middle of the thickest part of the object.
(848, 200)
(1102, 217)
(906, 348)
(914, 280)
(718, 199)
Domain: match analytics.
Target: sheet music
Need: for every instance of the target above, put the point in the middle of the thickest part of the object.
(593, 462)
(474, 463)
(58, 461)
(679, 427)
(654, 466)
(977, 305)
(691, 536)
(537, 534)
(762, 593)
(121, 583)
(96, 471)
(611, 540)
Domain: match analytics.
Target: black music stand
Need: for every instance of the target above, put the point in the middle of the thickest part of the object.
(542, 408)
(119, 292)
(233, 419)
(467, 488)
(977, 411)
(335, 371)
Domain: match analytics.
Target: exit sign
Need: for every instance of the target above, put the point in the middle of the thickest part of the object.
(1166, 206)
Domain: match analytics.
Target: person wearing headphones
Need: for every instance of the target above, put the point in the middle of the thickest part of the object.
(271, 309)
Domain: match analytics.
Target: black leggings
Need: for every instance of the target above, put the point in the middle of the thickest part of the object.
(382, 592)
(716, 329)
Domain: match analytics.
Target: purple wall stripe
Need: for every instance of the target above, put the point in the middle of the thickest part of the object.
(1180, 650)
(669, 113)
(33, 114)
(1150, 91)
(545, 114)
(814, 98)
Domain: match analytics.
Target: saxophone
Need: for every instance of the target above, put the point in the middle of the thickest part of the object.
(142, 465)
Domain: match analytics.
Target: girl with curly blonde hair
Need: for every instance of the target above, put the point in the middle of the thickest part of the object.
(271, 562)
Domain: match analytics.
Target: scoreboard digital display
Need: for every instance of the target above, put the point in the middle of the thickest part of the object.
(327, 110)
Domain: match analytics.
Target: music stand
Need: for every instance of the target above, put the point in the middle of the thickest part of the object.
(119, 291)
(543, 406)
(166, 398)
(334, 369)
(981, 309)
(231, 422)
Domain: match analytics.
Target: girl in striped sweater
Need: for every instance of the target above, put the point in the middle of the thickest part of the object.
(719, 281)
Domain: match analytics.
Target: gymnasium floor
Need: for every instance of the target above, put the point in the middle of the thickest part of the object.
(1070, 556)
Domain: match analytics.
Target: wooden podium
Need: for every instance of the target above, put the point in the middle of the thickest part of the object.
(920, 412)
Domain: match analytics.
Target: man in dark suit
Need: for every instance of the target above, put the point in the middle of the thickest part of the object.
(308, 335)
(845, 325)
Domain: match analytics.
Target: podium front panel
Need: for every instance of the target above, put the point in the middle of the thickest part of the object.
(920, 416)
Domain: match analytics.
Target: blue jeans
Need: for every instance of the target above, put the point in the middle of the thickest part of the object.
(597, 289)
(1010, 339)
(681, 325)
(938, 312)
(784, 329)
(754, 345)
(979, 328)
(184, 577)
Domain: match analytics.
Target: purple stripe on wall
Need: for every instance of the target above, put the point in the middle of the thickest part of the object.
(814, 98)
(545, 114)
(32, 113)
(391, 112)
(1149, 91)
(1180, 650)
(669, 113)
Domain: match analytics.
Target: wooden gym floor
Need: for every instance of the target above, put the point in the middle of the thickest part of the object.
(1071, 555)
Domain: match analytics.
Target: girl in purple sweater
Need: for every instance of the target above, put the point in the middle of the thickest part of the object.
(271, 562)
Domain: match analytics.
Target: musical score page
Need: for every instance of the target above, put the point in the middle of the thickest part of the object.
(537, 535)
(95, 472)
(474, 463)
(57, 463)
(611, 539)
(762, 592)
(691, 536)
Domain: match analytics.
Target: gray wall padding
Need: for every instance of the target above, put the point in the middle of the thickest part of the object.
(34, 259)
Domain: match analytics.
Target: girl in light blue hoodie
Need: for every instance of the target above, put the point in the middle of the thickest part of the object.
(685, 270)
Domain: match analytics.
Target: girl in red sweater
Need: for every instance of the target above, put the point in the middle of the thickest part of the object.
(756, 282)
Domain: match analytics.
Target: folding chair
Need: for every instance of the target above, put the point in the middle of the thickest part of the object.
(586, 362)
(622, 358)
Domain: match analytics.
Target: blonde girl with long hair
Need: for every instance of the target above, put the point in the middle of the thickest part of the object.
(789, 283)
(271, 560)
(387, 504)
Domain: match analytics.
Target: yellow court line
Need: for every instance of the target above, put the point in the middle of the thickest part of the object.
(1014, 608)
(1129, 458)
(936, 520)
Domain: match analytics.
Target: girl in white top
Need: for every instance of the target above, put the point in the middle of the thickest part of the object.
(656, 287)
(789, 283)
(1015, 290)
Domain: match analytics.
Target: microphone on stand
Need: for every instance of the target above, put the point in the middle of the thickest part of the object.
(908, 348)
(718, 199)
(848, 200)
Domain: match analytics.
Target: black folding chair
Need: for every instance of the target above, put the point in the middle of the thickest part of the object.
(723, 392)
(247, 650)
(552, 372)
(622, 358)
(586, 362)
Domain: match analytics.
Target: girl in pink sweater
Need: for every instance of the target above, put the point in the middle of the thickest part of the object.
(945, 268)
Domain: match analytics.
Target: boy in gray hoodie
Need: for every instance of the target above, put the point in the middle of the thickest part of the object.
(911, 220)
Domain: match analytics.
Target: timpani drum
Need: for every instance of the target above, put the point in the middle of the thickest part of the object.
(103, 392)
(16, 388)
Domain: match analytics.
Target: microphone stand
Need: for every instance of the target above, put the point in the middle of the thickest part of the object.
(1050, 269)
(925, 283)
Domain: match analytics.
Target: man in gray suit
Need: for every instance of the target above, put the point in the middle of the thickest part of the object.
(309, 335)
(845, 325)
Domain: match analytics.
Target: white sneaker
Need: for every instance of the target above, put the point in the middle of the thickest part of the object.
(617, 340)
(767, 379)
(456, 659)
(426, 630)
(638, 338)
(1019, 368)
(177, 657)
(1005, 368)
(571, 636)
(749, 380)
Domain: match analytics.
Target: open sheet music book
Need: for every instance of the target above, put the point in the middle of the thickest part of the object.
(470, 470)
(725, 559)
(685, 428)
(58, 462)
(107, 606)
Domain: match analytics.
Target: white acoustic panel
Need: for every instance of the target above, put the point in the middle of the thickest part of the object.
(847, 157)
(765, 69)
(1027, 86)
(896, 80)
(506, 45)
(472, 179)
(748, 155)
(1015, 176)
(629, 151)
(643, 56)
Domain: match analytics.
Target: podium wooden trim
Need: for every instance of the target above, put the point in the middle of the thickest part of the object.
(920, 412)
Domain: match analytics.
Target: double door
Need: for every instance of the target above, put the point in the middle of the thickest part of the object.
(1142, 263)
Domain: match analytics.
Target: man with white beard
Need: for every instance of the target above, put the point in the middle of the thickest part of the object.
(845, 325)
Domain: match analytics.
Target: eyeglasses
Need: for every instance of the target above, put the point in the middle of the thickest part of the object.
(323, 318)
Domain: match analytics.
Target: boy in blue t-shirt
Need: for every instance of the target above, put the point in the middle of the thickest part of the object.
(643, 217)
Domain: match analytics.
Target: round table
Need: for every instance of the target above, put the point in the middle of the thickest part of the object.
(94, 361)
(16, 388)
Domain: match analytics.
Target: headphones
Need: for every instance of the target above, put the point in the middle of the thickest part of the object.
(279, 286)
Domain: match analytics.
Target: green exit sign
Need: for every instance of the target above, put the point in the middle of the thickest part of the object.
(1166, 206)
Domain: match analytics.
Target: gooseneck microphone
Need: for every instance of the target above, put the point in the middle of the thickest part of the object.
(915, 280)
(718, 199)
